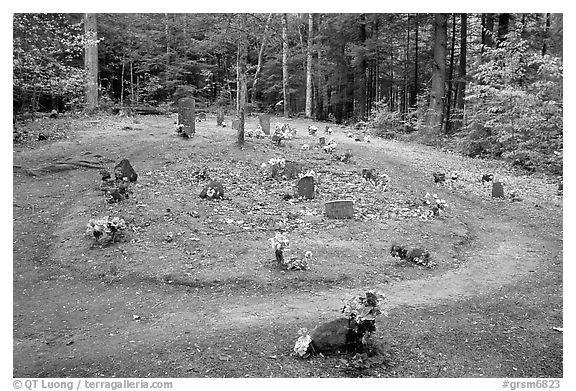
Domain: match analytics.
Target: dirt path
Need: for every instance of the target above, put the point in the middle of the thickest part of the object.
(504, 243)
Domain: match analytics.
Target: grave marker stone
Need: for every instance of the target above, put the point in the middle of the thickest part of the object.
(125, 170)
(212, 191)
(340, 209)
(219, 117)
(322, 141)
(497, 190)
(236, 123)
(292, 169)
(264, 121)
(306, 187)
(331, 336)
(186, 116)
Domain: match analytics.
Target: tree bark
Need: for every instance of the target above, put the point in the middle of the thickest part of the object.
(362, 72)
(91, 62)
(503, 27)
(438, 90)
(285, 86)
(546, 33)
(448, 122)
(461, 87)
(309, 66)
(414, 96)
(488, 30)
(253, 91)
(241, 77)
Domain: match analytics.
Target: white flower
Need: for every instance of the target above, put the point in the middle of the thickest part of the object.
(302, 345)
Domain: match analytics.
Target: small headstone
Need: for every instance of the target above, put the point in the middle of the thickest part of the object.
(201, 117)
(42, 137)
(368, 174)
(497, 190)
(54, 114)
(219, 117)
(236, 123)
(340, 209)
(186, 116)
(125, 170)
(306, 187)
(331, 336)
(212, 191)
(264, 121)
(322, 141)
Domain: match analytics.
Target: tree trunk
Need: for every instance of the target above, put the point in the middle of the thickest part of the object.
(241, 77)
(167, 35)
(309, 67)
(260, 58)
(438, 90)
(503, 27)
(91, 62)
(414, 96)
(285, 91)
(448, 122)
(122, 84)
(131, 83)
(488, 30)
(546, 32)
(406, 77)
(362, 72)
(461, 87)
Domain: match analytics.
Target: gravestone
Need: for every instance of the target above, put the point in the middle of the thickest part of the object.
(186, 116)
(340, 209)
(219, 117)
(201, 117)
(264, 121)
(212, 191)
(322, 141)
(368, 174)
(306, 187)
(497, 190)
(331, 336)
(125, 170)
(236, 123)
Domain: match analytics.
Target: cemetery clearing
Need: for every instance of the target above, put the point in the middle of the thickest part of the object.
(193, 288)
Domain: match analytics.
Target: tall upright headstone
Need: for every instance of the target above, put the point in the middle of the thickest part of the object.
(264, 120)
(186, 116)
(219, 117)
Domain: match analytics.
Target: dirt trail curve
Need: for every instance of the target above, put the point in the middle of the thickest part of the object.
(507, 241)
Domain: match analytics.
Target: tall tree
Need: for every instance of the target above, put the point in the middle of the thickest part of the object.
(309, 66)
(241, 76)
(253, 91)
(488, 30)
(438, 90)
(546, 33)
(461, 85)
(91, 62)
(416, 90)
(503, 27)
(285, 91)
(448, 122)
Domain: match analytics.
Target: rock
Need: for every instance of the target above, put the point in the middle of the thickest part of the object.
(340, 209)
(264, 121)
(331, 336)
(306, 187)
(292, 169)
(497, 190)
(212, 191)
(124, 170)
(439, 177)
(186, 116)
(219, 117)
(487, 178)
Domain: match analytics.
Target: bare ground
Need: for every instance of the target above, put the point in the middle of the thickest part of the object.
(211, 302)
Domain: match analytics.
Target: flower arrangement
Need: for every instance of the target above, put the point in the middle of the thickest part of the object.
(362, 312)
(302, 346)
(283, 132)
(305, 147)
(312, 129)
(436, 204)
(105, 229)
(280, 243)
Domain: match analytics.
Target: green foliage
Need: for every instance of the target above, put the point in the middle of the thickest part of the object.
(47, 59)
(516, 107)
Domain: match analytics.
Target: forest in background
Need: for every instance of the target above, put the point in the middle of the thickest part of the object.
(483, 84)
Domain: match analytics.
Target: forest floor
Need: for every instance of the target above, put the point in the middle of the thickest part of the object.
(194, 290)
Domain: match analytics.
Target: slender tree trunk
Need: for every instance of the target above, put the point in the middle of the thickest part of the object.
(285, 86)
(362, 72)
(461, 92)
(167, 36)
(406, 77)
(448, 122)
(131, 83)
(122, 83)
(488, 30)
(260, 58)
(91, 62)
(309, 66)
(242, 89)
(546, 33)
(414, 97)
(438, 89)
